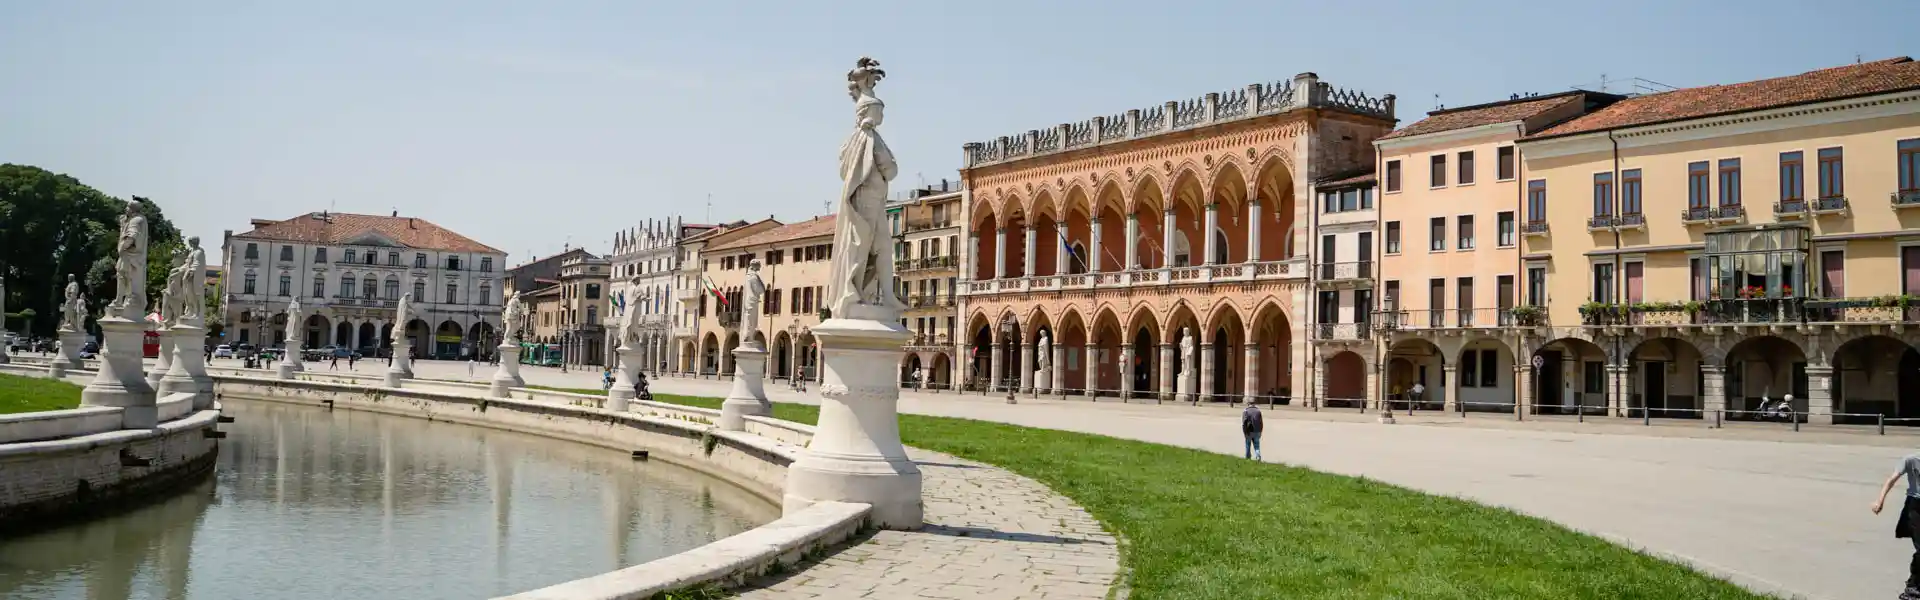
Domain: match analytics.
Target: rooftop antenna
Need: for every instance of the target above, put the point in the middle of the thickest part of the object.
(1856, 58)
(1436, 103)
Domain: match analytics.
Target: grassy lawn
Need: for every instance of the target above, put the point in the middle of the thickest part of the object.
(1203, 525)
(30, 394)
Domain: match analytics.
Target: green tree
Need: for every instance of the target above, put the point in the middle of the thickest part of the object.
(52, 225)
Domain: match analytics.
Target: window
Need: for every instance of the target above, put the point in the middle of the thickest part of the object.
(593, 291)
(1594, 375)
(1466, 168)
(286, 285)
(1603, 283)
(1505, 166)
(393, 259)
(1602, 194)
(1909, 161)
(1630, 192)
(1436, 302)
(319, 256)
(1730, 182)
(1537, 201)
(1536, 286)
(419, 261)
(1793, 179)
(286, 254)
(346, 287)
(1393, 295)
(319, 286)
(486, 264)
(253, 252)
(1470, 368)
(1697, 278)
(1833, 273)
(1465, 232)
(249, 284)
(1393, 237)
(392, 289)
(1393, 176)
(1505, 224)
(373, 256)
(351, 257)
(367, 287)
(419, 291)
(453, 263)
(1832, 176)
(1438, 176)
(453, 293)
(1489, 368)
(1463, 299)
(1437, 234)
(1366, 198)
(1697, 182)
(1349, 200)
(593, 315)
(726, 263)
(793, 304)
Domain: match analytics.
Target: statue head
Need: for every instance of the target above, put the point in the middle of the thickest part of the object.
(133, 209)
(193, 242)
(753, 266)
(865, 75)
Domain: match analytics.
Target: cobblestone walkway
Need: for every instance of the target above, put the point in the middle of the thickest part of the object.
(989, 534)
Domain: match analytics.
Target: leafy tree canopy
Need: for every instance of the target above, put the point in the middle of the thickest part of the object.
(52, 225)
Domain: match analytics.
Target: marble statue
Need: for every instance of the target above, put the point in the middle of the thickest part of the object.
(130, 266)
(514, 317)
(1189, 362)
(630, 327)
(170, 295)
(72, 310)
(862, 269)
(399, 335)
(192, 283)
(294, 328)
(1044, 351)
(750, 299)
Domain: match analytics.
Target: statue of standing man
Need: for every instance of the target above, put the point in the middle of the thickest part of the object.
(73, 315)
(750, 299)
(862, 271)
(130, 266)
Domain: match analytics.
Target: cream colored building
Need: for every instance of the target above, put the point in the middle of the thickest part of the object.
(1707, 248)
(646, 266)
(691, 296)
(796, 260)
(925, 223)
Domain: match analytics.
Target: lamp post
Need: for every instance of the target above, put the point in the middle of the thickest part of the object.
(566, 344)
(1011, 360)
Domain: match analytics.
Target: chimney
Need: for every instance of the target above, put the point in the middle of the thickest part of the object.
(409, 222)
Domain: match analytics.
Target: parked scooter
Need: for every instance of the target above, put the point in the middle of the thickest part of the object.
(1777, 410)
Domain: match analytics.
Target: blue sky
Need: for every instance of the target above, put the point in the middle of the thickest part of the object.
(531, 125)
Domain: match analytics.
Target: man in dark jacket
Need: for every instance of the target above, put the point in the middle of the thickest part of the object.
(1250, 426)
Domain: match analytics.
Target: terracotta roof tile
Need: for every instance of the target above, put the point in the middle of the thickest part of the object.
(1864, 79)
(1349, 179)
(340, 228)
(814, 227)
(1485, 114)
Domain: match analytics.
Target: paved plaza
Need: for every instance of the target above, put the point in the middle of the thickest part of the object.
(1771, 509)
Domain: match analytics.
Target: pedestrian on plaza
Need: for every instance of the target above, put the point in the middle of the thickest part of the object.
(1909, 518)
(469, 367)
(640, 388)
(1251, 426)
(606, 380)
(334, 363)
(352, 358)
(1416, 394)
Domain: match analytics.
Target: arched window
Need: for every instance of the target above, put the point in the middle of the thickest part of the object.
(1076, 264)
(393, 289)
(1219, 246)
(347, 286)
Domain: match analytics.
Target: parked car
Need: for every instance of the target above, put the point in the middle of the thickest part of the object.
(316, 354)
(223, 351)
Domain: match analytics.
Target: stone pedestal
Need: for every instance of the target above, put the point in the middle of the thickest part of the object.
(290, 363)
(748, 397)
(622, 391)
(1043, 381)
(70, 344)
(402, 368)
(56, 369)
(189, 372)
(164, 362)
(120, 381)
(856, 455)
(507, 376)
(1187, 386)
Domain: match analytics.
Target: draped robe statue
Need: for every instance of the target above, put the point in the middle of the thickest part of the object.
(130, 266)
(750, 300)
(73, 315)
(513, 318)
(193, 282)
(862, 271)
(399, 335)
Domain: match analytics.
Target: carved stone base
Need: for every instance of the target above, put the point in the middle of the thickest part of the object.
(189, 372)
(57, 369)
(622, 391)
(507, 376)
(291, 357)
(856, 455)
(70, 344)
(748, 396)
(120, 381)
(1043, 381)
(402, 368)
(164, 362)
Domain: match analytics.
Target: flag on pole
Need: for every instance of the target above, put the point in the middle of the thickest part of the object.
(715, 290)
(1068, 247)
(620, 303)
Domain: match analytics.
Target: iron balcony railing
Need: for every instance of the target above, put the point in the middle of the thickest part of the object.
(1343, 331)
(1790, 208)
(1599, 222)
(1906, 198)
(1730, 212)
(1534, 228)
(1459, 318)
(1630, 221)
(1835, 204)
(1696, 214)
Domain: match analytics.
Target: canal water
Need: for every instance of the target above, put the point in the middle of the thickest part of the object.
(309, 503)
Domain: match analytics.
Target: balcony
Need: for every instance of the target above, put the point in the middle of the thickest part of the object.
(1454, 318)
(683, 331)
(687, 294)
(1631, 221)
(929, 301)
(1342, 331)
(1906, 199)
(929, 342)
(1534, 229)
(1741, 311)
(1830, 206)
(1600, 223)
(1347, 272)
(1696, 215)
(1795, 208)
(909, 265)
(1729, 214)
(1882, 309)
(923, 225)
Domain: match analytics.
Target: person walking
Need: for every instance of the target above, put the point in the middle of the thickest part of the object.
(606, 380)
(469, 367)
(1909, 518)
(334, 363)
(351, 359)
(1415, 395)
(1251, 426)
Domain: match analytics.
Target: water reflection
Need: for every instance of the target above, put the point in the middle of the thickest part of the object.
(307, 503)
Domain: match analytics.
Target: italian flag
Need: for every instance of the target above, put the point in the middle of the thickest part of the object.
(715, 290)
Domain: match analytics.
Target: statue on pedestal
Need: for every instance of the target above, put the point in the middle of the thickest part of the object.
(171, 294)
(1189, 363)
(193, 282)
(399, 335)
(1043, 358)
(751, 296)
(862, 271)
(130, 266)
(73, 310)
(513, 318)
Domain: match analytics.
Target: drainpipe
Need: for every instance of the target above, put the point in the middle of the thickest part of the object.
(1619, 275)
(1313, 294)
(1520, 258)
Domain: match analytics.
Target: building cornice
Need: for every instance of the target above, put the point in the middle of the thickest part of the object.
(1452, 137)
(1761, 121)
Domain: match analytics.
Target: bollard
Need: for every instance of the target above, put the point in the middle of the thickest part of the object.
(1646, 417)
(1883, 423)
(1796, 419)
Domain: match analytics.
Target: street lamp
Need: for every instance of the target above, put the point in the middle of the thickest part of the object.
(1006, 335)
(566, 342)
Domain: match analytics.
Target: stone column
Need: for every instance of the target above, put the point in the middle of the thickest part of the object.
(120, 381)
(1523, 377)
(1210, 243)
(1820, 392)
(1058, 366)
(1026, 368)
(1167, 227)
(1250, 391)
(1166, 372)
(1087, 352)
(856, 455)
(1062, 264)
(188, 374)
(994, 358)
(748, 396)
(970, 259)
(1713, 384)
(1000, 253)
(507, 375)
(1126, 373)
(1093, 247)
(1133, 242)
(1450, 372)
(621, 394)
(1028, 258)
(1206, 373)
(1618, 390)
(1253, 227)
(164, 361)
